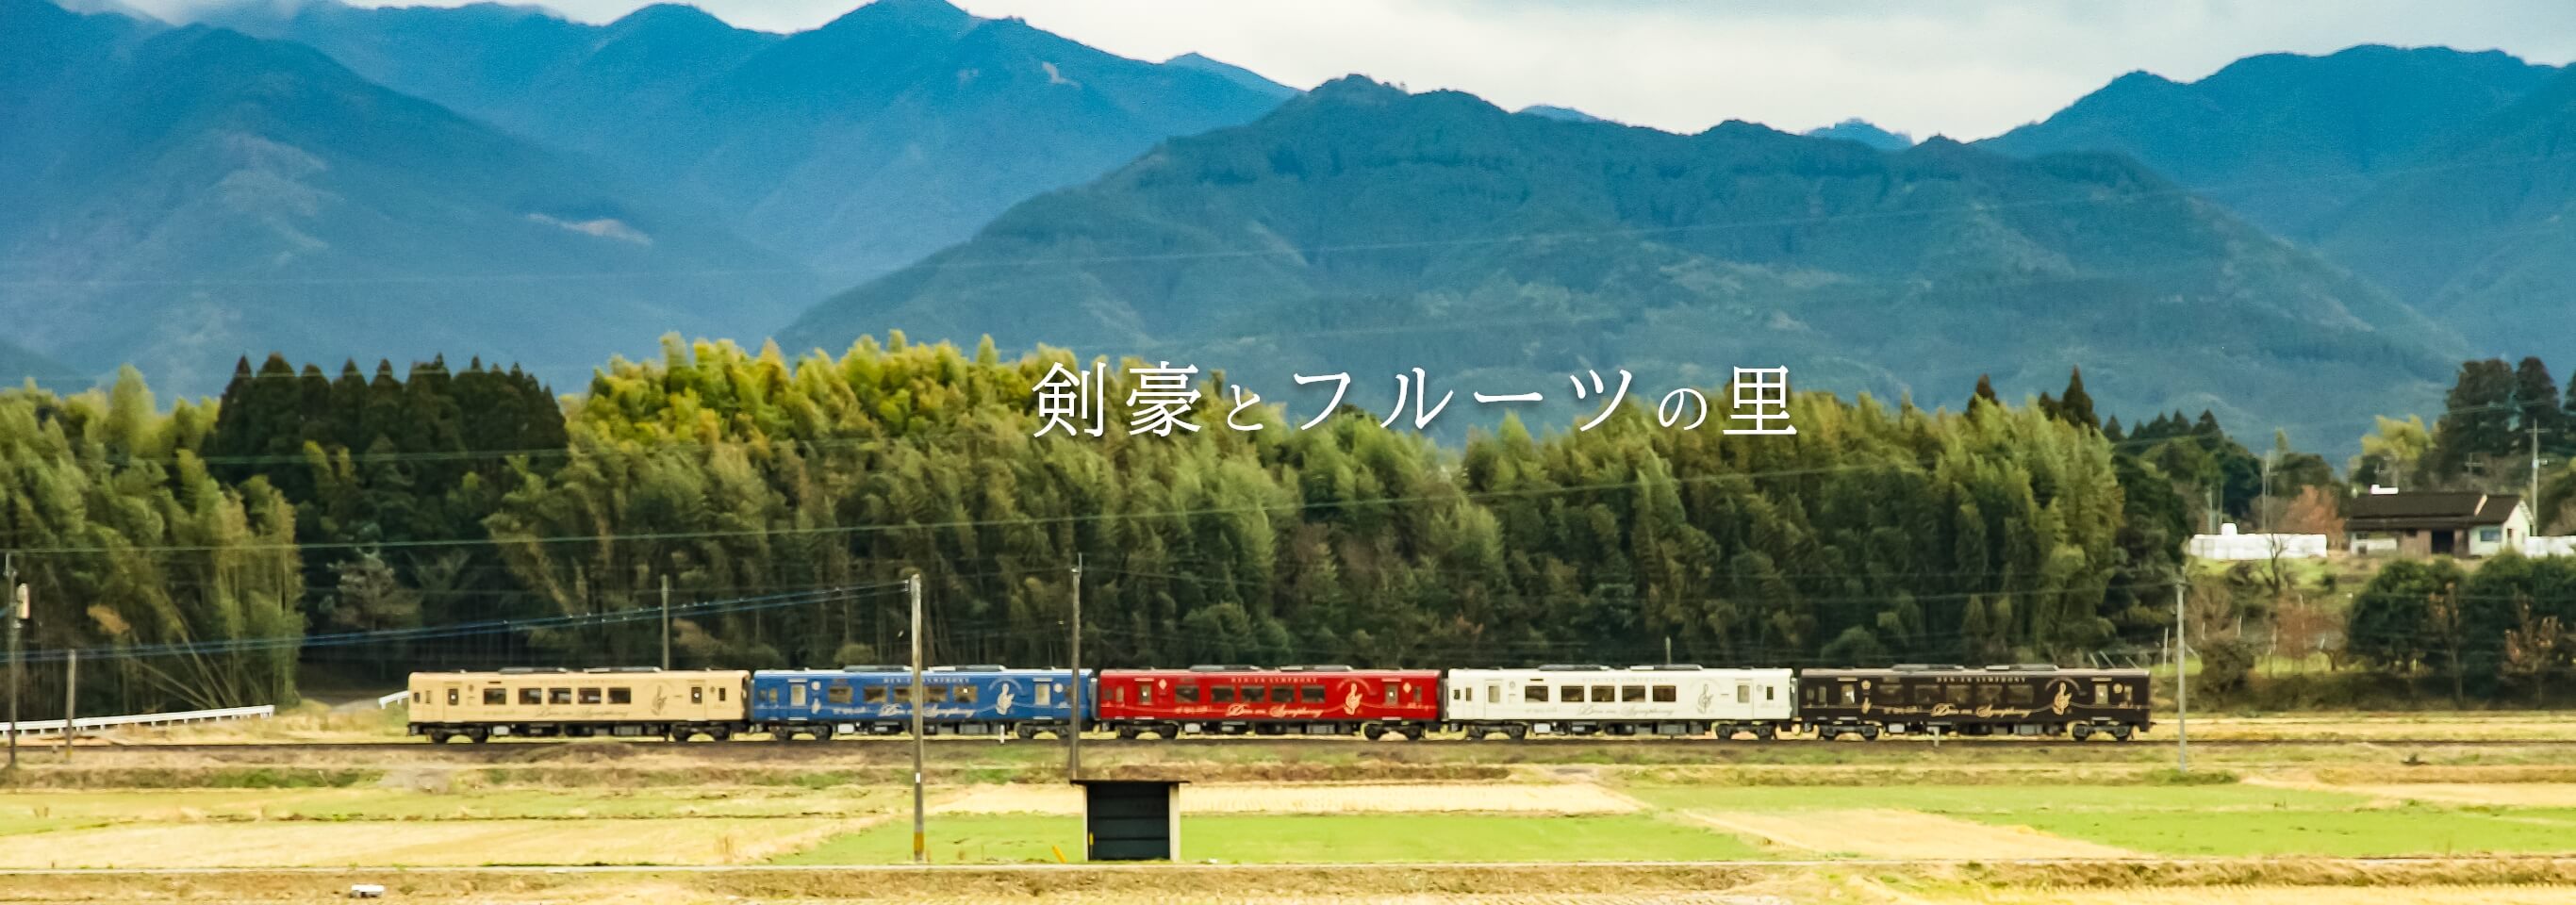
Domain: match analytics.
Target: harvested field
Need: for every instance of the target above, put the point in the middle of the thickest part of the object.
(2277, 895)
(1900, 834)
(466, 843)
(1558, 798)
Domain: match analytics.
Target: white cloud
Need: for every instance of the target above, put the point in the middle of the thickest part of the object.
(1967, 68)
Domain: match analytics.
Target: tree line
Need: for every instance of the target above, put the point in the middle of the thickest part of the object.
(391, 500)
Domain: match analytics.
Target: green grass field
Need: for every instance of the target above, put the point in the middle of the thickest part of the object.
(2342, 833)
(1232, 839)
(1992, 799)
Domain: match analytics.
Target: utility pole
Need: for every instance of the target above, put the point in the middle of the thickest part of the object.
(2531, 504)
(919, 832)
(2263, 504)
(17, 618)
(71, 701)
(2182, 688)
(1073, 644)
(1668, 650)
(666, 623)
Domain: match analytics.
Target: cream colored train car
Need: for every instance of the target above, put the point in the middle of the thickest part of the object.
(1643, 700)
(478, 706)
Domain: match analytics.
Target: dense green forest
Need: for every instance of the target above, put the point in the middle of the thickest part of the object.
(406, 502)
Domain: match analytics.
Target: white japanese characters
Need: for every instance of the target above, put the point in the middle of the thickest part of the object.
(1161, 400)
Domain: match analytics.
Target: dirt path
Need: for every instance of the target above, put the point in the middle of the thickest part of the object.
(1554, 798)
(1900, 834)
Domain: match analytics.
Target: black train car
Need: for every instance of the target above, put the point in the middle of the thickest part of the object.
(1955, 700)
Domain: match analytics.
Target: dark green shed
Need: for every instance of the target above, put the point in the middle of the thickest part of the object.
(1131, 819)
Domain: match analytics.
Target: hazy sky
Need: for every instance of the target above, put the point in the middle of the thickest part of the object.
(1966, 68)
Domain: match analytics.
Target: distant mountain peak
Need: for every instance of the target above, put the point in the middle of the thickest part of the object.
(666, 15)
(1865, 132)
(912, 13)
(1237, 74)
(1566, 114)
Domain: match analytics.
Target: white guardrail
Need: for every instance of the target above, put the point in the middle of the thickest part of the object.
(90, 723)
(391, 699)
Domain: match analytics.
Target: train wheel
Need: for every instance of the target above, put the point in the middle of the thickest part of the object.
(1765, 733)
(478, 736)
(1127, 733)
(2081, 731)
(2122, 733)
(1516, 732)
(437, 737)
(1412, 733)
(1869, 733)
(681, 733)
(1372, 732)
(1024, 732)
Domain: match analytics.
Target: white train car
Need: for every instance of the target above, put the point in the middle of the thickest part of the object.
(1600, 700)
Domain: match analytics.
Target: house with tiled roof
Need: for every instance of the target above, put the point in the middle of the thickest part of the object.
(2436, 523)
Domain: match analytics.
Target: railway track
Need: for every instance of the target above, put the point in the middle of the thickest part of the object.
(897, 746)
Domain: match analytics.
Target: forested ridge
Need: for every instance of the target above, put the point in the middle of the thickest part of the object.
(404, 502)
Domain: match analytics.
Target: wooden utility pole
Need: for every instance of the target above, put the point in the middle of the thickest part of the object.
(919, 831)
(1073, 729)
(666, 623)
(2182, 688)
(71, 701)
(17, 618)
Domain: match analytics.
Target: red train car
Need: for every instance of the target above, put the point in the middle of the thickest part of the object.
(1290, 700)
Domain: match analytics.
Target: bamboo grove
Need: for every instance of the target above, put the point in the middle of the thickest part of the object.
(1876, 534)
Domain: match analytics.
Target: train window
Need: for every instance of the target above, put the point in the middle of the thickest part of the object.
(966, 694)
(1312, 694)
(720, 692)
(1144, 695)
(1955, 694)
(1186, 694)
(2020, 695)
(836, 693)
(451, 697)
(873, 694)
(2101, 692)
(420, 697)
(1603, 694)
(1770, 692)
(936, 694)
(1281, 694)
(1743, 693)
(1221, 694)
(1390, 694)
(1534, 694)
(590, 696)
(1927, 694)
(1632, 694)
(1569, 693)
(1666, 694)
(558, 696)
(1989, 694)
(496, 697)
(769, 695)
(530, 697)
(697, 694)
(621, 696)
(1046, 694)
(1493, 693)
(1851, 694)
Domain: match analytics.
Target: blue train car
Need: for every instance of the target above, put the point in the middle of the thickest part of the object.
(874, 700)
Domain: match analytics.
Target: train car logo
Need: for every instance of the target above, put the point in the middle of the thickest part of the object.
(1707, 697)
(2061, 695)
(1350, 698)
(1003, 699)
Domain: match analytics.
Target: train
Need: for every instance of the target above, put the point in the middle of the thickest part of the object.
(1660, 700)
